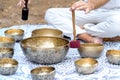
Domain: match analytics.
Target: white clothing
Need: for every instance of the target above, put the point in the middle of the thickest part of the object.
(102, 22)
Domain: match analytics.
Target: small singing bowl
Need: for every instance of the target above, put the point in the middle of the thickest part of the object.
(17, 34)
(8, 66)
(47, 32)
(7, 42)
(43, 73)
(91, 50)
(113, 56)
(6, 52)
(86, 65)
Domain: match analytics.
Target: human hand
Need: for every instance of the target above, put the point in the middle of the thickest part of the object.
(21, 3)
(82, 5)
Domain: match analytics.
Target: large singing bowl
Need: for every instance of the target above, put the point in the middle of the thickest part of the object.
(47, 32)
(45, 49)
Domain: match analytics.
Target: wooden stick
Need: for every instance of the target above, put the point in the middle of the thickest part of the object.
(73, 21)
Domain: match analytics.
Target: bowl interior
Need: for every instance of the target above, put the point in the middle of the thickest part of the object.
(7, 39)
(42, 70)
(8, 62)
(113, 52)
(44, 42)
(6, 50)
(47, 32)
(14, 31)
(86, 62)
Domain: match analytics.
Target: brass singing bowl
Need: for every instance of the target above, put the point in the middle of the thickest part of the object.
(47, 32)
(45, 49)
(17, 34)
(6, 52)
(43, 73)
(8, 66)
(113, 56)
(92, 50)
(6, 42)
(86, 65)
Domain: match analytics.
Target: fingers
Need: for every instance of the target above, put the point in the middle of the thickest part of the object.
(21, 3)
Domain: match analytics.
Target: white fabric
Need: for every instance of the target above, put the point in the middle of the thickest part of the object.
(105, 21)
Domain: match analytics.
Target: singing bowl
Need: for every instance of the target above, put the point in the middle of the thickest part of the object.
(86, 65)
(17, 34)
(113, 56)
(47, 32)
(8, 66)
(43, 73)
(91, 50)
(45, 49)
(6, 52)
(7, 42)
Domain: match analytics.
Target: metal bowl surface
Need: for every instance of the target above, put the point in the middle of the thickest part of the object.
(17, 34)
(43, 73)
(6, 42)
(113, 56)
(45, 49)
(91, 50)
(6, 52)
(86, 65)
(47, 32)
(8, 66)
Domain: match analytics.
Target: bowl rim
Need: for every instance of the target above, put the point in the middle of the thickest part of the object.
(51, 72)
(6, 31)
(43, 37)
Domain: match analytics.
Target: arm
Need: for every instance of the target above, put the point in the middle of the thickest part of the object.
(21, 3)
(89, 5)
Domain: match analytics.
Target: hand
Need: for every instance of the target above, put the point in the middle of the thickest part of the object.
(81, 5)
(21, 3)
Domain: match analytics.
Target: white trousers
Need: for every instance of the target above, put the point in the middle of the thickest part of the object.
(100, 22)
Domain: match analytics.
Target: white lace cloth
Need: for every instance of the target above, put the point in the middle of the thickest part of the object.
(65, 70)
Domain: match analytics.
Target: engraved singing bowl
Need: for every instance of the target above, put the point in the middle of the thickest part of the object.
(43, 73)
(17, 34)
(45, 49)
(47, 32)
(6, 42)
(92, 50)
(8, 66)
(113, 56)
(6, 52)
(86, 65)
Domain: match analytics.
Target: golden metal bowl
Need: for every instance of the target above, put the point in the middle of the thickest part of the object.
(86, 65)
(43, 73)
(8, 66)
(92, 50)
(17, 34)
(6, 52)
(45, 49)
(7, 42)
(47, 32)
(113, 56)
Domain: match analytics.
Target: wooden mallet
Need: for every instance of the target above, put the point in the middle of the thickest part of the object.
(74, 43)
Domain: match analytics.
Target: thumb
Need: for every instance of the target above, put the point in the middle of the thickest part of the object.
(87, 10)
